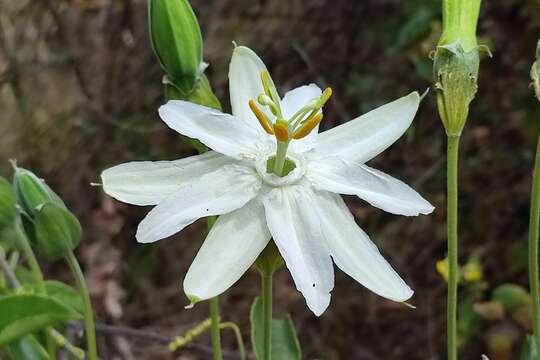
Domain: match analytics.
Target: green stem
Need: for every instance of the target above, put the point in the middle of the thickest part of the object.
(90, 329)
(267, 313)
(238, 335)
(533, 247)
(452, 213)
(214, 328)
(279, 162)
(38, 277)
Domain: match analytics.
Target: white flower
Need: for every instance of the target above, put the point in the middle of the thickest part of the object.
(302, 211)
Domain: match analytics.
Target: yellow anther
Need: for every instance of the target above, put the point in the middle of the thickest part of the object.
(308, 126)
(263, 120)
(282, 131)
(326, 95)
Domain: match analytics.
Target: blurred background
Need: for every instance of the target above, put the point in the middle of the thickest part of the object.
(79, 90)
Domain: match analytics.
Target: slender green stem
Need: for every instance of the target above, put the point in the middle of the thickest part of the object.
(215, 335)
(452, 214)
(279, 161)
(90, 329)
(214, 328)
(238, 335)
(38, 277)
(267, 313)
(533, 247)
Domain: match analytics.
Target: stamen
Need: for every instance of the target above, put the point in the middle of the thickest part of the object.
(308, 126)
(282, 131)
(263, 120)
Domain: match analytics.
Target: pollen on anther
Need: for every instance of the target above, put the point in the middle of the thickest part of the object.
(308, 126)
(263, 120)
(282, 131)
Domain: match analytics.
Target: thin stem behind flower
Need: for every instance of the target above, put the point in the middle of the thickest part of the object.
(267, 313)
(88, 313)
(533, 246)
(452, 214)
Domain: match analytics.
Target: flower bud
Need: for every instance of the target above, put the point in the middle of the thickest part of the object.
(456, 62)
(177, 42)
(57, 231)
(7, 203)
(32, 192)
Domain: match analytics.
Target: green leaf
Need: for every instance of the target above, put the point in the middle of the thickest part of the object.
(22, 314)
(511, 296)
(285, 345)
(28, 348)
(63, 293)
(57, 231)
(7, 203)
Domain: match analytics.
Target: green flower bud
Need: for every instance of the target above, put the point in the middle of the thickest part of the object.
(456, 62)
(535, 72)
(32, 192)
(201, 94)
(57, 231)
(8, 211)
(177, 42)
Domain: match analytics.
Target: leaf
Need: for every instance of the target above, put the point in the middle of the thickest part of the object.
(28, 348)
(64, 294)
(285, 345)
(22, 314)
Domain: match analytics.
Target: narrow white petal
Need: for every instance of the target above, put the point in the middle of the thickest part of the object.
(231, 247)
(367, 136)
(354, 253)
(215, 193)
(375, 187)
(149, 182)
(295, 227)
(220, 132)
(245, 84)
(293, 101)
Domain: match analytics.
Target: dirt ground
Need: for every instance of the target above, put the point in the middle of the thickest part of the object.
(79, 89)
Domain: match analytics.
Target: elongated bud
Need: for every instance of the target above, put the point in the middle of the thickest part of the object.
(535, 72)
(308, 126)
(176, 38)
(7, 203)
(32, 192)
(57, 231)
(263, 120)
(456, 62)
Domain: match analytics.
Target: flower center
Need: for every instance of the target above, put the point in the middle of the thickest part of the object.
(294, 169)
(285, 130)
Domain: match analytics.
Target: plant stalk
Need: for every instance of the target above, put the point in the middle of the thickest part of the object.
(214, 328)
(452, 214)
(90, 328)
(266, 278)
(533, 247)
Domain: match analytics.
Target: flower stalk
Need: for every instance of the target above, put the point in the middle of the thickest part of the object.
(534, 220)
(455, 70)
(90, 330)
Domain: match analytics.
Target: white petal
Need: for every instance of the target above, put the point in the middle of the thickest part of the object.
(231, 247)
(295, 227)
(245, 84)
(365, 137)
(375, 187)
(293, 101)
(354, 253)
(215, 193)
(149, 182)
(220, 132)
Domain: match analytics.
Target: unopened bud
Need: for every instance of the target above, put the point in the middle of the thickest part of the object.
(32, 192)
(57, 231)
(177, 42)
